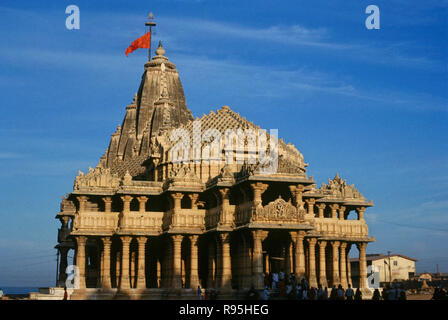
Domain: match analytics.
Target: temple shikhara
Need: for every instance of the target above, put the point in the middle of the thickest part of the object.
(143, 224)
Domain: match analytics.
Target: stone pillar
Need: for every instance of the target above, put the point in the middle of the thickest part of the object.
(321, 207)
(194, 199)
(335, 258)
(226, 264)
(258, 237)
(117, 268)
(107, 204)
(132, 271)
(218, 264)
(312, 261)
(310, 202)
(259, 188)
(287, 259)
(177, 263)
(322, 264)
(177, 200)
(81, 260)
(299, 254)
(341, 213)
(105, 279)
(126, 203)
(141, 274)
(334, 207)
(362, 265)
(349, 269)
(142, 203)
(159, 273)
(266, 263)
(82, 200)
(361, 211)
(124, 279)
(297, 192)
(63, 265)
(343, 265)
(225, 219)
(211, 265)
(194, 276)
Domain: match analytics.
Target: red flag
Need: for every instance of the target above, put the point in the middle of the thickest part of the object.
(142, 42)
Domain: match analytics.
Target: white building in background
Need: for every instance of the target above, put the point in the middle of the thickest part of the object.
(391, 267)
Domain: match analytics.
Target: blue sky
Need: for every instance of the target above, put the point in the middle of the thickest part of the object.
(370, 105)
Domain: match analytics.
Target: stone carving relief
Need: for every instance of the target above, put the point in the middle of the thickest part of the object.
(278, 210)
(99, 177)
(338, 188)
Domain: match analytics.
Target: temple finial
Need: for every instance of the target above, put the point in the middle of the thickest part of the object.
(160, 51)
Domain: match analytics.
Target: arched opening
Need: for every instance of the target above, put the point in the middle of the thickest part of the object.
(185, 203)
(351, 214)
(274, 191)
(135, 204)
(186, 262)
(92, 263)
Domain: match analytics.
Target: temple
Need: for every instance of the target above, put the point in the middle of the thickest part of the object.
(143, 224)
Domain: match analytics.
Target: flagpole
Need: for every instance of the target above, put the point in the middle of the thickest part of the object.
(151, 24)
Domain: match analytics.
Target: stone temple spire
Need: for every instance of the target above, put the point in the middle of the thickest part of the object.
(159, 104)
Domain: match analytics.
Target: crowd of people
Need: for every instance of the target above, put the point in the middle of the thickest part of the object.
(282, 286)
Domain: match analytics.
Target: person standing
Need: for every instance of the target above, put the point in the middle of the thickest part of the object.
(340, 293)
(349, 293)
(376, 295)
(199, 292)
(265, 293)
(1, 293)
(358, 294)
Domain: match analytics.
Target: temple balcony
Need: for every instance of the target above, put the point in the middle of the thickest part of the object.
(141, 222)
(336, 227)
(187, 219)
(95, 222)
(218, 216)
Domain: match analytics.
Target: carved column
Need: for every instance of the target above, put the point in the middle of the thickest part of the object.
(126, 203)
(177, 255)
(141, 274)
(81, 260)
(361, 211)
(322, 264)
(211, 265)
(105, 279)
(299, 254)
(312, 261)
(82, 200)
(194, 276)
(125, 281)
(362, 265)
(343, 264)
(194, 199)
(225, 193)
(177, 199)
(259, 188)
(335, 258)
(107, 204)
(63, 265)
(226, 273)
(297, 192)
(258, 237)
(142, 203)
(349, 269)
(334, 207)
(310, 202)
(321, 207)
(288, 258)
(342, 212)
